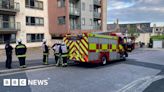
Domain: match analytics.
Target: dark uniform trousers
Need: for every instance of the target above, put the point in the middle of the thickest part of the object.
(45, 58)
(8, 60)
(65, 57)
(22, 61)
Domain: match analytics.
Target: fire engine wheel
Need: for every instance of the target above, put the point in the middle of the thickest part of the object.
(104, 60)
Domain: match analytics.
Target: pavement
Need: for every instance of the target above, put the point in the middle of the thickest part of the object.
(33, 60)
(142, 72)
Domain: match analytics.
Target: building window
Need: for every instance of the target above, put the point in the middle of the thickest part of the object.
(34, 4)
(7, 37)
(36, 21)
(61, 3)
(90, 8)
(7, 4)
(83, 21)
(61, 20)
(83, 6)
(35, 37)
(91, 22)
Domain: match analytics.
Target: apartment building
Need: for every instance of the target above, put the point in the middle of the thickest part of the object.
(76, 16)
(24, 19)
(34, 20)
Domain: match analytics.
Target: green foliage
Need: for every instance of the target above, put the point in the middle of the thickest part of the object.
(160, 37)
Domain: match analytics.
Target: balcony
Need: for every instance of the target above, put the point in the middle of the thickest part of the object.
(97, 15)
(11, 9)
(97, 2)
(97, 27)
(9, 27)
(75, 27)
(74, 11)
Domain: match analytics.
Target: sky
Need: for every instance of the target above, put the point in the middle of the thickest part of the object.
(135, 11)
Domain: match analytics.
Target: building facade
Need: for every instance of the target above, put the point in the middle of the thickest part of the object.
(76, 16)
(158, 30)
(143, 31)
(35, 20)
(24, 19)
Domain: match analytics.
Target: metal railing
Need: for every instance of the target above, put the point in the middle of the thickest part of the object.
(74, 11)
(13, 7)
(75, 27)
(85, 27)
(10, 25)
(97, 2)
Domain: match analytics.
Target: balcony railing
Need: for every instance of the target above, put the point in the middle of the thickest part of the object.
(85, 27)
(97, 15)
(97, 2)
(7, 7)
(97, 27)
(75, 27)
(9, 26)
(74, 11)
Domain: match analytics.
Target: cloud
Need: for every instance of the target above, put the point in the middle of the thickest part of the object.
(136, 10)
(119, 5)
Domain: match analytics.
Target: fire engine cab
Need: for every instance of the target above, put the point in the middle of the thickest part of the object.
(94, 48)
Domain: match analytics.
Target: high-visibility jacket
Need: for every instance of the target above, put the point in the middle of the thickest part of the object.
(20, 50)
(45, 49)
(64, 50)
(56, 49)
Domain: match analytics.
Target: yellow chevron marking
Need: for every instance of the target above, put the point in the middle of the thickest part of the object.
(79, 55)
(86, 52)
(71, 45)
(86, 45)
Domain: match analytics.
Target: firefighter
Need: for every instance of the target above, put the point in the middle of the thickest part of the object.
(8, 49)
(55, 48)
(123, 47)
(64, 54)
(20, 51)
(45, 52)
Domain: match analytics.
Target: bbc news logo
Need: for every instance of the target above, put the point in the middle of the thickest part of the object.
(24, 82)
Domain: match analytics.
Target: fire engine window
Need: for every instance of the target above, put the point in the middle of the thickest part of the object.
(111, 41)
(104, 41)
(74, 38)
(93, 40)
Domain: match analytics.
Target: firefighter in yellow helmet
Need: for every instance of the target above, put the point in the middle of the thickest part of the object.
(55, 48)
(20, 51)
(64, 54)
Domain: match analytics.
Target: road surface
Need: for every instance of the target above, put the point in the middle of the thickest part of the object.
(137, 74)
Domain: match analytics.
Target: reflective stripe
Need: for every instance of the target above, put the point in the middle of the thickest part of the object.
(114, 46)
(92, 46)
(45, 53)
(65, 55)
(21, 55)
(20, 47)
(121, 48)
(104, 46)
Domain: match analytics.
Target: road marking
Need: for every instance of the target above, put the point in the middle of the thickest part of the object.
(146, 81)
(26, 71)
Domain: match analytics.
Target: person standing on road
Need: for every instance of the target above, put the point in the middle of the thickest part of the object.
(20, 51)
(45, 52)
(8, 49)
(55, 48)
(64, 54)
